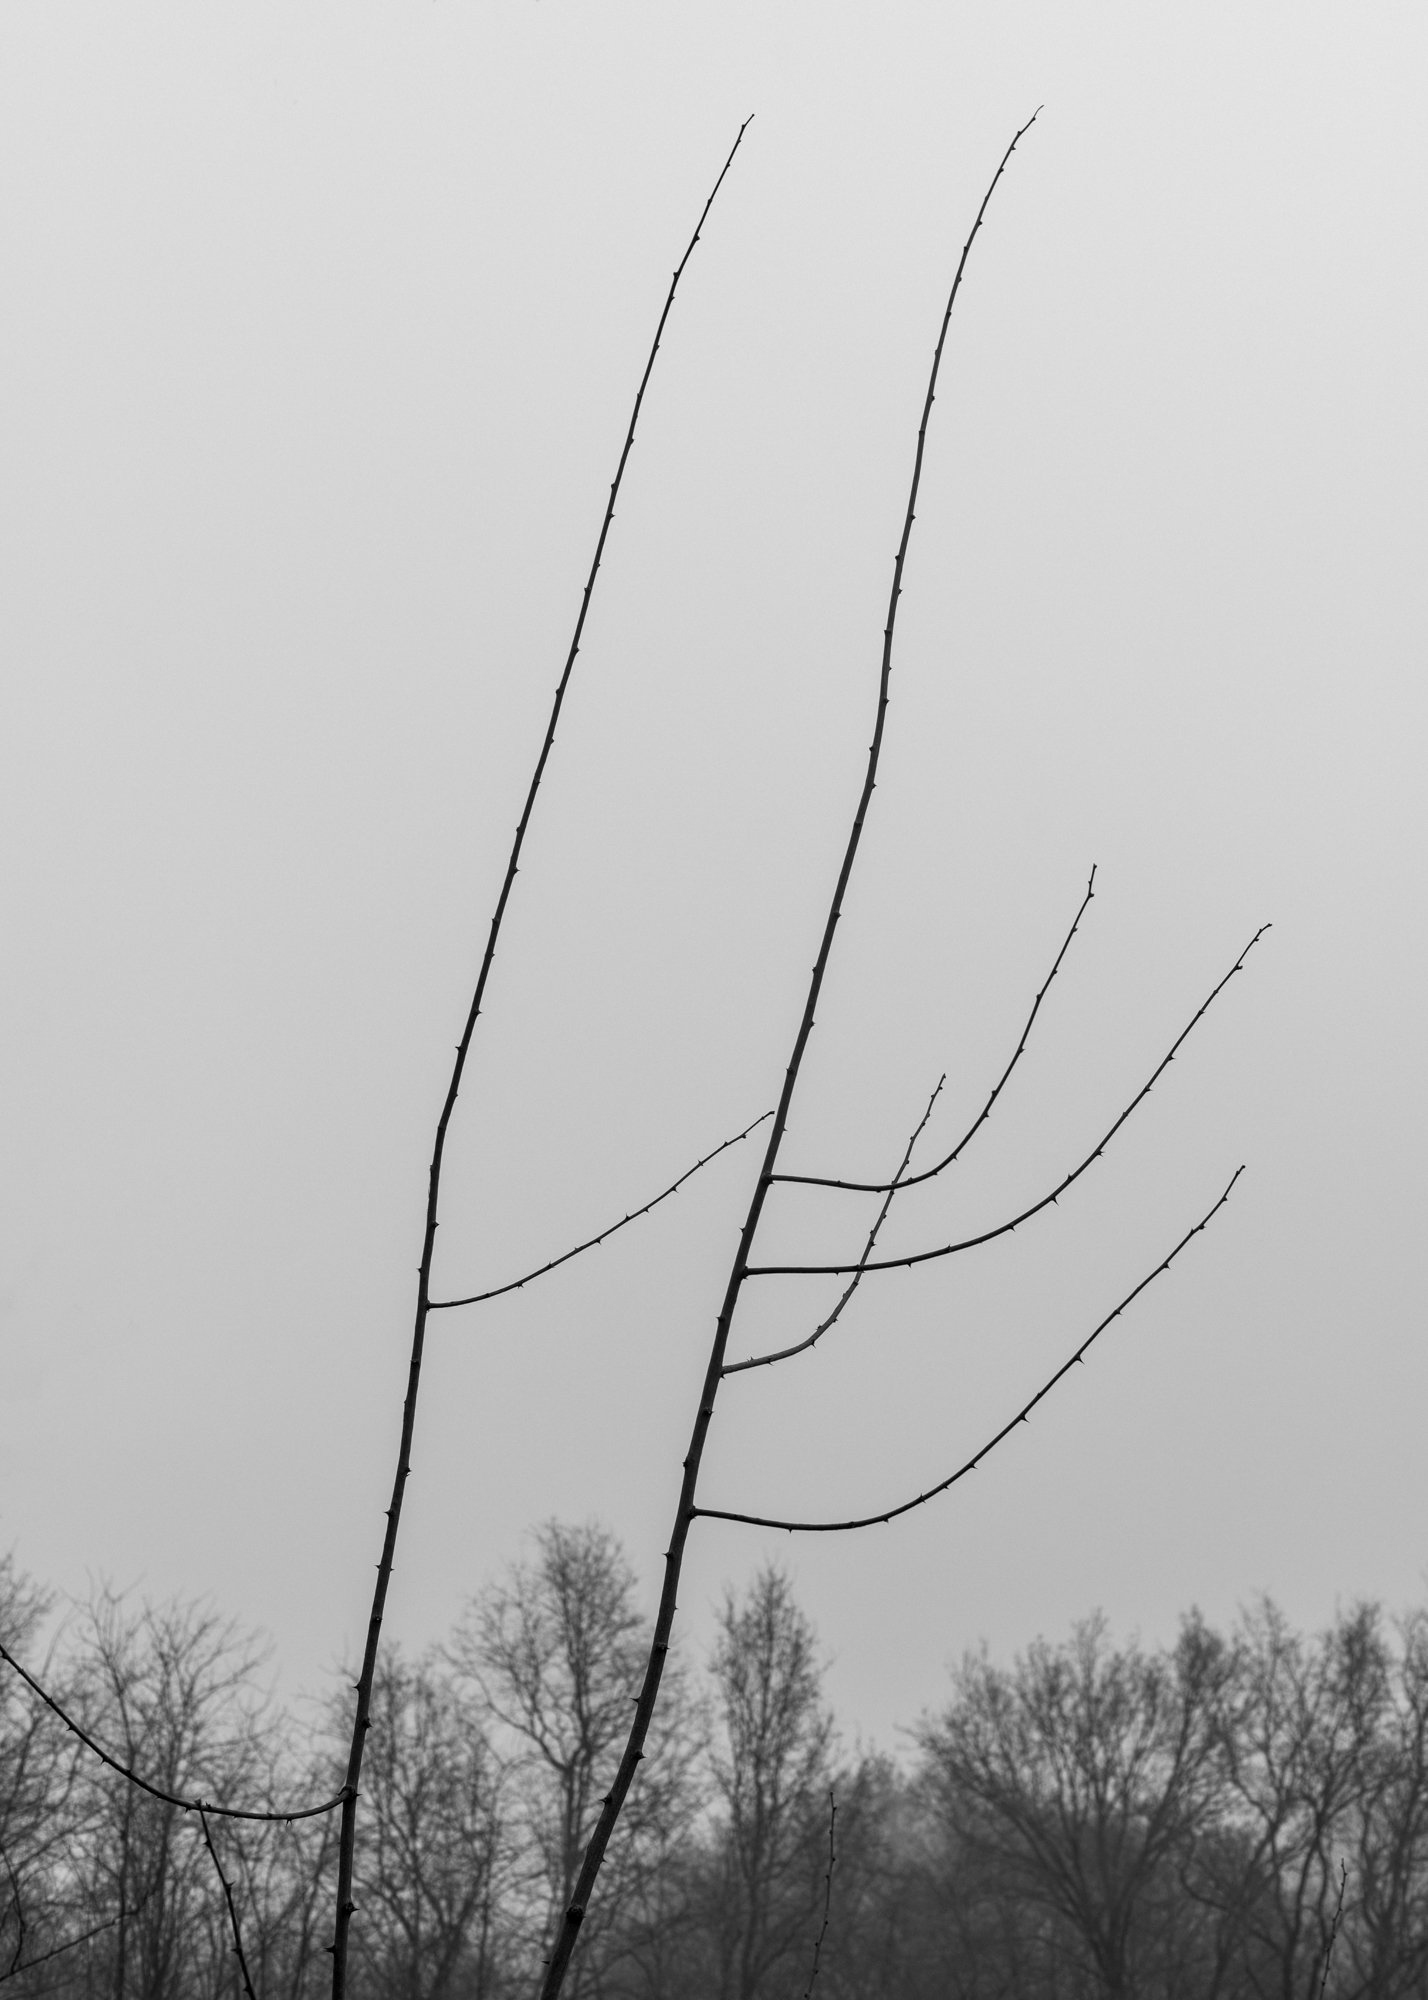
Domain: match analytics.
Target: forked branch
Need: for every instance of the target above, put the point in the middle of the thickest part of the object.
(898, 1181)
(921, 1499)
(362, 1717)
(574, 1914)
(593, 1242)
(931, 1173)
(1046, 1200)
(71, 1944)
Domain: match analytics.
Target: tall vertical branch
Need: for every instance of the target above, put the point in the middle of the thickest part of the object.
(564, 1943)
(363, 1688)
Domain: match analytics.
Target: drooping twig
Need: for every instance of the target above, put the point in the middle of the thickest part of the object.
(228, 1898)
(827, 1895)
(931, 1173)
(1334, 1927)
(362, 1716)
(1046, 1200)
(921, 1500)
(894, 1187)
(157, 1791)
(592, 1242)
(574, 1914)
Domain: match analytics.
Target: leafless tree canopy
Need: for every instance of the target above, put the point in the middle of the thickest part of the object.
(1098, 1817)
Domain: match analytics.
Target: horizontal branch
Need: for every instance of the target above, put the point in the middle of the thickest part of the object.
(196, 1804)
(931, 1173)
(591, 1243)
(1046, 1200)
(907, 1506)
(802, 1346)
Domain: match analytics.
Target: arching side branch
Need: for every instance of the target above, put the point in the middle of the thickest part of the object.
(921, 1499)
(931, 1173)
(898, 1182)
(593, 1242)
(362, 1716)
(1046, 1200)
(573, 1916)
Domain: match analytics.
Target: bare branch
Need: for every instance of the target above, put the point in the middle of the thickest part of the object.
(70, 1944)
(573, 1917)
(931, 1173)
(827, 1895)
(228, 1898)
(907, 1506)
(515, 1284)
(1334, 1927)
(361, 1718)
(157, 1791)
(19, 1903)
(897, 1182)
(1004, 1228)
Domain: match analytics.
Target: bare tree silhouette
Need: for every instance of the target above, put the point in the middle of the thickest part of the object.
(578, 1883)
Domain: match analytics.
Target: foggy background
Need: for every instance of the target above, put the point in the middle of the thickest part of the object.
(320, 332)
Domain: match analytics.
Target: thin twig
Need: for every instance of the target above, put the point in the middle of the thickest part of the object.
(157, 1791)
(1046, 1200)
(515, 1284)
(930, 1173)
(573, 1916)
(72, 1944)
(362, 1715)
(18, 1901)
(894, 1187)
(56, 1951)
(907, 1506)
(228, 1898)
(827, 1895)
(1334, 1927)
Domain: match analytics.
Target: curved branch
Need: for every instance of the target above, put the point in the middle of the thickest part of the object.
(931, 1173)
(198, 1805)
(564, 1941)
(361, 1720)
(897, 1182)
(591, 1243)
(907, 1506)
(1004, 1228)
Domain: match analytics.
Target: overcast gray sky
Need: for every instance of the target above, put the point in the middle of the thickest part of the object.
(320, 330)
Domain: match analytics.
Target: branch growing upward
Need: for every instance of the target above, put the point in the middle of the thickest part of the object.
(569, 1931)
(362, 1716)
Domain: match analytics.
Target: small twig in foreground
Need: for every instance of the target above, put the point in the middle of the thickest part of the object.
(827, 1894)
(228, 1898)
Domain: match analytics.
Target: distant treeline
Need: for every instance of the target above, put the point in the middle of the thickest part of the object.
(1185, 1823)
